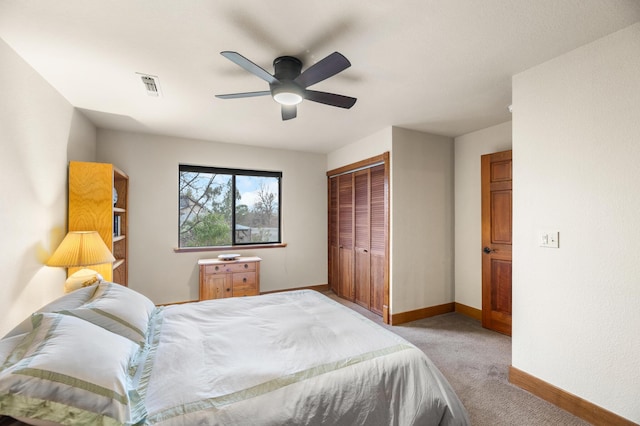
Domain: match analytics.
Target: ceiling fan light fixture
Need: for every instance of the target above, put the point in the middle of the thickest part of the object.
(287, 98)
(287, 94)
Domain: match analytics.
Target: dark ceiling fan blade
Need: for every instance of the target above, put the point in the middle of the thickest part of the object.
(254, 69)
(244, 95)
(289, 112)
(327, 67)
(330, 99)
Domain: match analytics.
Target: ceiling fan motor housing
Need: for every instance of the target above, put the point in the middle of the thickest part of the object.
(287, 68)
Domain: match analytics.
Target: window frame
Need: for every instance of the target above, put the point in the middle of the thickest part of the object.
(233, 173)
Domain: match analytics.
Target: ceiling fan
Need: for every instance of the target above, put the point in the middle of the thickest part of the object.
(288, 85)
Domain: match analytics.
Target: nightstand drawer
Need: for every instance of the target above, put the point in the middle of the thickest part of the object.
(244, 284)
(242, 267)
(222, 268)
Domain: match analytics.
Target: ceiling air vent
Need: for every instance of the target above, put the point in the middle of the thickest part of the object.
(151, 84)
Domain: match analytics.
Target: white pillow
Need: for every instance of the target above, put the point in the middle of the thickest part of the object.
(117, 309)
(68, 301)
(7, 346)
(68, 371)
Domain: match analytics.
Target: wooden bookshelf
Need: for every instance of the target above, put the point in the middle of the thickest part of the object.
(92, 208)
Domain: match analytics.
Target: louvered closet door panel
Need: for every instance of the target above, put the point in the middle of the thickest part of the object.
(345, 240)
(362, 239)
(378, 237)
(334, 253)
(361, 189)
(345, 211)
(333, 211)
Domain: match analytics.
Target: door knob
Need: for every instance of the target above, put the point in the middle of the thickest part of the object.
(488, 250)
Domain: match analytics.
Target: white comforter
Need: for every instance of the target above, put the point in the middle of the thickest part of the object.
(295, 358)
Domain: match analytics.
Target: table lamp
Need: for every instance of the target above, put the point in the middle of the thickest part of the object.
(80, 249)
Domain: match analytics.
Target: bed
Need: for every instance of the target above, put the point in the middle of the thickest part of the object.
(106, 355)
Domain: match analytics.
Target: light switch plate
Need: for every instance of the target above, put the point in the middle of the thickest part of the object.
(549, 239)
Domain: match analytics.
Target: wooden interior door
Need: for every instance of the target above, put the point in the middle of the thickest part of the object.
(496, 177)
(362, 256)
(345, 238)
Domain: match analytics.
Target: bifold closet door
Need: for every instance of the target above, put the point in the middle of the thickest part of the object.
(362, 257)
(369, 237)
(357, 236)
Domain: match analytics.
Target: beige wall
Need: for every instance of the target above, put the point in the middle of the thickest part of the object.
(468, 236)
(39, 132)
(152, 165)
(576, 156)
(421, 220)
(370, 146)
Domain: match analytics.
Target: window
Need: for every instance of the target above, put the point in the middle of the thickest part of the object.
(228, 207)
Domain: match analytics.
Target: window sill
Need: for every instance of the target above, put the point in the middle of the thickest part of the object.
(228, 248)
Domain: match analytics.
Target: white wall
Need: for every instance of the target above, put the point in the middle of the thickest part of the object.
(152, 165)
(422, 220)
(39, 132)
(370, 146)
(576, 156)
(468, 224)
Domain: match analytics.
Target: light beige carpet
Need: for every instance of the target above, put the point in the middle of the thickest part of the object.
(476, 362)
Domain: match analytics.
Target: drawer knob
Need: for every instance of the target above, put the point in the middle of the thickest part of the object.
(228, 289)
(246, 266)
(244, 280)
(217, 268)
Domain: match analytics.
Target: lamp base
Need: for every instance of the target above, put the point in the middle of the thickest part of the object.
(82, 278)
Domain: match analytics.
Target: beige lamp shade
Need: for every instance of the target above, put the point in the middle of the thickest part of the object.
(81, 248)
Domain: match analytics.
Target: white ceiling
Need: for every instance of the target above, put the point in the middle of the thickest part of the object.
(439, 66)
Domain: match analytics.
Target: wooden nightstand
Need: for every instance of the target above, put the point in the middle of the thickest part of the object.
(229, 278)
